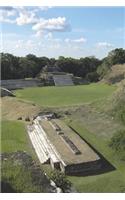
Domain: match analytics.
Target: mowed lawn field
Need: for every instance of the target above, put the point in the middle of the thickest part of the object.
(65, 96)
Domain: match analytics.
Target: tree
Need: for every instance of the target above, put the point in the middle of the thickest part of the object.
(116, 56)
(30, 66)
(118, 141)
(9, 66)
(27, 67)
(92, 77)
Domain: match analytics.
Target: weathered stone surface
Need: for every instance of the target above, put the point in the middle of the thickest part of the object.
(6, 92)
(20, 83)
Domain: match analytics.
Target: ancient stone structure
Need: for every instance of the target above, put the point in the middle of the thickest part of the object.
(57, 144)
(63, 80)
(6, 92)
(20, 83)
(54, 76)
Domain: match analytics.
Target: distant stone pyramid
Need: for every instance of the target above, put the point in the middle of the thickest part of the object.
(55, 75)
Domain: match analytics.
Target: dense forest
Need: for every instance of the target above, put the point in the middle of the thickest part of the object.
(89, 68)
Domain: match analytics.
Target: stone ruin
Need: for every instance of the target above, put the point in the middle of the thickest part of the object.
(55, 143)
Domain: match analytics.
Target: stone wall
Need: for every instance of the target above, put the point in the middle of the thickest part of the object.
(83, 168)
(5, 92)
(20, 83)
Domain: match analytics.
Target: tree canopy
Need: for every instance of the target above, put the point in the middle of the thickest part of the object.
(89, 68)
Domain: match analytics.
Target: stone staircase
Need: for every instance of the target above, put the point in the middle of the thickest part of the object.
(43, 148)
(62, 80)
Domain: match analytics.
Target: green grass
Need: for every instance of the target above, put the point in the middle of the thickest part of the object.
(18, 178)
(14, 137)
(65, 96)
(108, 182)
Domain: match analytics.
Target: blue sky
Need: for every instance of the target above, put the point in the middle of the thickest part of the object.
(62, 31)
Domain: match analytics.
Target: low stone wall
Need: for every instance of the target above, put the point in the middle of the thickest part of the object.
(5, 92)
(83, 168)
(20, 83)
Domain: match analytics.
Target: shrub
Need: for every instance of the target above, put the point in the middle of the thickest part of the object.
(60, 180)
(118, 141)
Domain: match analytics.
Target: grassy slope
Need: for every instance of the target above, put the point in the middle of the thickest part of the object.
(12, 108)
(116, 74)
(65, 96)
(109, 182)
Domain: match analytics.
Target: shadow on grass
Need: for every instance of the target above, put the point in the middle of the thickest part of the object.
(104, 165)
(7, 188)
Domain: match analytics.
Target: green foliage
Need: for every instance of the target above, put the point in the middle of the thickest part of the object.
(119, 112)
(103, 69)
(60, 180)
(116, 56)
(21, 67)
(30, 66)
(92, 77)
(66, 96)
(16, 178)
(79, 67)
(10, 66)
(118, 142)
(118, 102)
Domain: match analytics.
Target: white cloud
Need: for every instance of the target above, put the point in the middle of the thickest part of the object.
(58, 24)
(23, 15)
(25, 44)
(104, 45)
(26, 17)
(19, 44)
(6, 13)
(6, 20)
(49, 36)
(54, 46)
(78, 40)
(39, 34)
(43, 8)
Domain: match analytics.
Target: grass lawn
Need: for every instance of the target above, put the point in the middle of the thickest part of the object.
(108, 182)
(65, 96)
(14, 137)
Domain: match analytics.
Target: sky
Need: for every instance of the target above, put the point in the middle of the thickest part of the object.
(62, 31)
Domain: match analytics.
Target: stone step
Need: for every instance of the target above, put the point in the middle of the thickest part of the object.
(38, 148)
(61, 80)
(46, 143)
